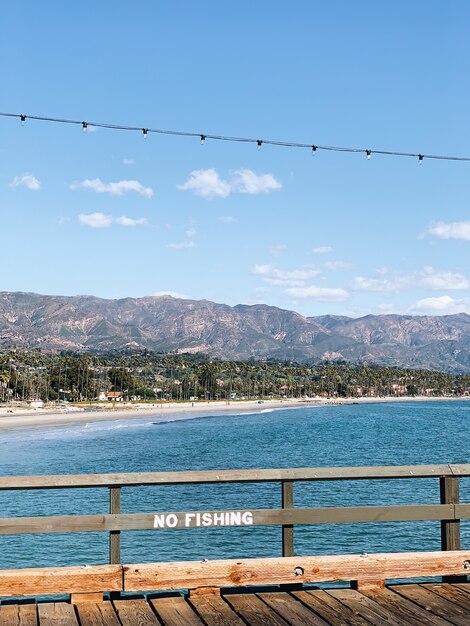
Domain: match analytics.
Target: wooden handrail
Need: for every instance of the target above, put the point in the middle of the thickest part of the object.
(258, 517)
(449, 512)
(89, 580)
(72, 481)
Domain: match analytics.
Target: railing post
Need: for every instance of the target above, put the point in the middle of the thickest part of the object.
(287, 529)
(450, 530)
(114, 535)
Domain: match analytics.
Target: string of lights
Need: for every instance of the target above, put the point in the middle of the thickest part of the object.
(203, 137)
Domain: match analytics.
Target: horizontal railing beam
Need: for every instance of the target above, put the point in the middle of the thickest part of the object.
(223, 519)
(231, 573)
(71, 481)
(53, 580)
(287, 570)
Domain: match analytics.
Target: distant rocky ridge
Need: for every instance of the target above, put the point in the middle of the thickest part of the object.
(164, 323)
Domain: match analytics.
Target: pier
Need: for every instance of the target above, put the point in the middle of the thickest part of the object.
(398, 588)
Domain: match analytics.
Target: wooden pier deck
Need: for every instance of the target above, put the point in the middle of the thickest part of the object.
(431, 604)
(276, 591)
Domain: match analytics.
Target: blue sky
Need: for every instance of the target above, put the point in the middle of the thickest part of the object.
(111, 214)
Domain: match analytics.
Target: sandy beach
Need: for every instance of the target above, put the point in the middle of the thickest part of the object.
(20, 417)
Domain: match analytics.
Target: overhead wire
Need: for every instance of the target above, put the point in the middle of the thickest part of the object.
(203, 137)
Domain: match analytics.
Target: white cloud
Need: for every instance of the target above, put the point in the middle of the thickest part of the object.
(209, 184)
(322, 250)
(227, 219)
(114, 189)
(294, 278)
(191, 232)
(337, 265)
(277, 250)
(100, 220)
(96, 220)
(247, 181)
(450, 230)
(442, 280)
(323, 294)
(27, 180)
(128, 161)
(182, 245)
(441, 305)
(173, 294)
(427, 278)
(130, 221)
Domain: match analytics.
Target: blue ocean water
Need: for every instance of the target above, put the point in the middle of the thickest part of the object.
(312, 436)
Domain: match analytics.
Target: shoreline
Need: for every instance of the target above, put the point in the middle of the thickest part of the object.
(19, 417)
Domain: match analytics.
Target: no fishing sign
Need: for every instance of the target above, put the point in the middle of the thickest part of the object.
(204, 519)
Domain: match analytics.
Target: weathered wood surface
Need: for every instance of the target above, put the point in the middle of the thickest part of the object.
(399, 605)
(232, 476)
(406, 610)
(215, 611)
(456, 593)
(365, 607)
(332, 611)
(269, 571)
(435, 603)
(57, 614)
(50, 580)
(135, 613)
(18, 615)
(88, 582)
(291, 609)
(254, 611)
(261, 517)
(97, 614)
(175, 611)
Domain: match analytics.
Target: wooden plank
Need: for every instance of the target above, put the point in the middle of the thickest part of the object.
(214, 611)
(221, 519)
(287, 529)
(450, 529)
(57, 614)
(360, 585)
(329, 608)
(135, 613)
(79, 598)
(274, 571)
(175, 611)
(434, 603)
(18, 615)
(231, 476)
(365, 607)
(454, 593)
(97, 614)
(254, 611)
(405, 610)
(49, 580)
(114, 535)
(292, 610)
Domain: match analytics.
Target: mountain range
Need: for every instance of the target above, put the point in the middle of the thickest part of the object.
(164, 323)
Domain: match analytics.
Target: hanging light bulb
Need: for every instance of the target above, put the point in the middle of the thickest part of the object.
(368, 154)
(145, 132)
(259, 143)
(314, 149)
(23, 120)
(84, 126)
(203, 139)
(420, 158)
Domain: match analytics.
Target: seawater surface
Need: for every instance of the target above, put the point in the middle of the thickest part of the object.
(405, 433)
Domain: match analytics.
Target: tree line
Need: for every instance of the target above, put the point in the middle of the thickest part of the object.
(148, 376)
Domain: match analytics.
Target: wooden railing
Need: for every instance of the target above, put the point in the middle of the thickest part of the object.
(449, 512)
